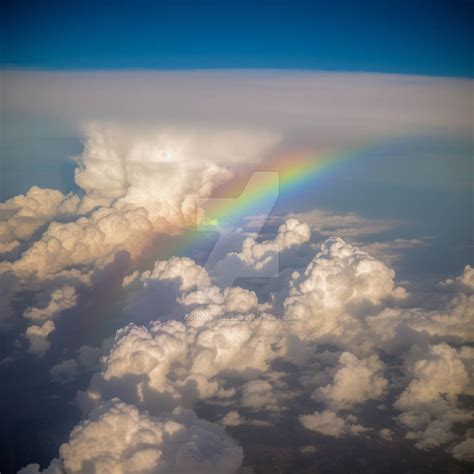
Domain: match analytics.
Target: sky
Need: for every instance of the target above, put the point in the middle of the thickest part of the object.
(410, 37)
(236, 237)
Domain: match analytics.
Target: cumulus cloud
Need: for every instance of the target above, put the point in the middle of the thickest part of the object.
(451, 323)
(143, 180)
(330, 424)
(37, 337)
(171, 363)
(64, 371)
(21, 216)
(55, 467)
(257, 255)
(119, 438)
(139, 181)
(341, 273)
(61, 299)
(227, 335)
(464, 451)
(354, 382)
(162, 170)
(92, 240)
(442, 372)
(339, 277)
(386, 433)
(349, 226)
(258, 394)
(429, 402)
(186, 270)
(455, 321)
(233, 418)
(466, 280)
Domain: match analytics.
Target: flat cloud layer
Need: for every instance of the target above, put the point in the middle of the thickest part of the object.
(333, 107)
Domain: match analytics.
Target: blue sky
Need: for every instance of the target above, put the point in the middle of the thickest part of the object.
(416, 37)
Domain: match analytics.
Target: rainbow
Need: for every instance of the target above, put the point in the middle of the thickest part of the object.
(281, 176)
(286, 174)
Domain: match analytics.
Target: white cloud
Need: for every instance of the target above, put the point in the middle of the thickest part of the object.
(37, 337)
(441, 375)
(258, 394)
(227, 333)
(466, 280)
(291, 233)
(55, 467)
(161, 169)
(455, 321)
(386, 433)
(335, 108)
(140, 181)
(172, 363)
(186, 270)
(89, 241)
(119, 438)
(355, 381)
(232, 418)
(464, 451)
(21, 216)
(338, 278)
(348, 226)
(340, 274)
(329, 424)
(429, 402)
(61, 299)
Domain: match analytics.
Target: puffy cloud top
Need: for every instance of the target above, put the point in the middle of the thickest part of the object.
(355, 381)
(37, 336)
(61, 299)
(160, 169)
(257, 255)
(86, 241)
(341, 273)
(190, 274)
(328, 423)
(22, 215)
(441, 372)
(118, 438)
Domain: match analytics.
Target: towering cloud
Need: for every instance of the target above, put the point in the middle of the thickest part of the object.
(162, 170)
(139, 181)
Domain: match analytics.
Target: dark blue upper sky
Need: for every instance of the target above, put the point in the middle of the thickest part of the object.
(423, 37)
